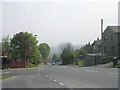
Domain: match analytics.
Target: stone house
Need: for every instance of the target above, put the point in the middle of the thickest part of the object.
(111, 41)
(97, 46)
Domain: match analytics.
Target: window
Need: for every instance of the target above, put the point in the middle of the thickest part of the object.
(111, 37)
(113, 50)
(105, 38)
(105, 49)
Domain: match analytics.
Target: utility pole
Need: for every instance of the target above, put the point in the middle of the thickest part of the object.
(102, 39)
(101, 27)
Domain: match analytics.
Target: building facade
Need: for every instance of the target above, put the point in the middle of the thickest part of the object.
(97, 46)
(111, 41)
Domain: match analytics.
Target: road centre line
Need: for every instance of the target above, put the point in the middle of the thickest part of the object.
(61, 84)
(50, 77)
(46, 75)
(54, 80)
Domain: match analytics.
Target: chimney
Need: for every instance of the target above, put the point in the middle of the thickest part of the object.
(97, 39)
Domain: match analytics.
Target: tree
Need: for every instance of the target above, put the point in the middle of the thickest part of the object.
(55, 58)
(0, 48)
(6, 46)
(24, 46)
(44, 51)
(67, 55)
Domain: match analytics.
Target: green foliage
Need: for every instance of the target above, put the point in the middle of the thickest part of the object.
(5, 77)
(44, 51)
(82, 52)
(0, 48)
(55, 58)
(116, 66)
(24, 46)
(6, 46)
(81, 62)
(30, 65)
(67, 55)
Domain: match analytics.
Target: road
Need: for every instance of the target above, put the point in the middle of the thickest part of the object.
(53, 76)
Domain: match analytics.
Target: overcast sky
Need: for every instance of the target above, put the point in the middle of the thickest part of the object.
(58, 21)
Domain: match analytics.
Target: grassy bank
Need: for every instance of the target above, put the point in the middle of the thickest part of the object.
(5, 77)
(116, 66)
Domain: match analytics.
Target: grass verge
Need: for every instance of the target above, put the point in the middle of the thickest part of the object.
(116, 66)
(5, 77)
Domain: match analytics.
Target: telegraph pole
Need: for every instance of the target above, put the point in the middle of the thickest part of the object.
(102, 39)
(101, 27)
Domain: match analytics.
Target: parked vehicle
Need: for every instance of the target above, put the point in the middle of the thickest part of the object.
(53, 63)
(58, 63)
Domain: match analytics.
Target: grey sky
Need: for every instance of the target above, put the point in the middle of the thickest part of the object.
(55, 22)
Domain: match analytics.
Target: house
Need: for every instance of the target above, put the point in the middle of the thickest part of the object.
(111, 41)
(88, 48)
(97, 46)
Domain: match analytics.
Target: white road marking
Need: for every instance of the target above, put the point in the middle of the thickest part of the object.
(61, 84)
(46, 75)
(50, 77)
(54, 80)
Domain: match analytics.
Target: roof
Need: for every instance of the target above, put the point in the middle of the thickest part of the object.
(97, 42)
(114, 28)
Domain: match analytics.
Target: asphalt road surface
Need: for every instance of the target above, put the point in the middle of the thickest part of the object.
(53, 76)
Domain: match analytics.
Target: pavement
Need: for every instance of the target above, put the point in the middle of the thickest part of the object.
(55, 76)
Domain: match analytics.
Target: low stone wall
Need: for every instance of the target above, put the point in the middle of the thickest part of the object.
(95, 60)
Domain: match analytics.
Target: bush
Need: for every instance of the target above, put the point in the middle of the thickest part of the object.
(116, 66)
(30, 65)
(80, 62)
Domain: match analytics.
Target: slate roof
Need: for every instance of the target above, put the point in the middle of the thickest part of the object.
(114, 28)
(96, 42)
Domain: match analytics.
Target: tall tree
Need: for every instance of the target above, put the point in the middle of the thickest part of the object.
(67, 55)
(6, 46)
(0, 48)
(24, 46)
(55, 58)
(44, 51)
